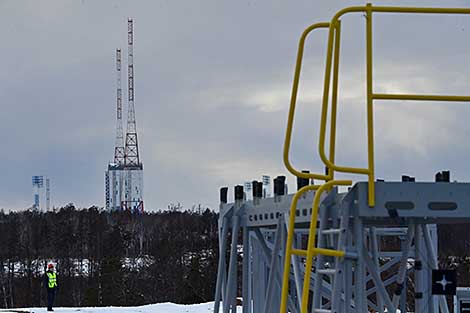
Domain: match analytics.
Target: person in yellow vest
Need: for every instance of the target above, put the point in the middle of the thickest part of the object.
(51, 285)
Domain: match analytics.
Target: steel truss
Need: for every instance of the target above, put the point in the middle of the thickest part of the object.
(368, 278)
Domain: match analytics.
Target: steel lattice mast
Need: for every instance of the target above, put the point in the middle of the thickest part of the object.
(131, 157)
(119, 147)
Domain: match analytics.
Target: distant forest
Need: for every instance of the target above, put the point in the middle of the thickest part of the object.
(107, 258)
(121, 259)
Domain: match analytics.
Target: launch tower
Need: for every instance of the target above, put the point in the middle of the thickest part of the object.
(124, 177)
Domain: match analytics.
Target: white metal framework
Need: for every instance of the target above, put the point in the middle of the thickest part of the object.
(371, 277)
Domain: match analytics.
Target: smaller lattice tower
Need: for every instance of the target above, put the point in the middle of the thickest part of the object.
(119, 147)
(133, 199)
(115, 174)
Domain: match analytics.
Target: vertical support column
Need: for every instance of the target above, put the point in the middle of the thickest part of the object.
(401, 289)
(234, 294)
(261, 269)
(339, 280)
(257, 305)
(426, 275)
(296, 265)
(418, 270)
(230, 299)
(231, 292)
(319, 264)
(403, 298)
(359, 270)
(250, 271)
(375, 255)
(246, 273)
(433, 258)
(263, 278)
(431, 229)
(348, 277)
(370, 112)
(279, 266)
(273, 272)
(221, 266)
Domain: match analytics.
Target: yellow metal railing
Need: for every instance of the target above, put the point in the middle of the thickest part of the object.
(332, 65)
(311, 250)
(371, 96)
(293, 101)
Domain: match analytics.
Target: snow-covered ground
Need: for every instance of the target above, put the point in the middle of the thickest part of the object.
(152, 308)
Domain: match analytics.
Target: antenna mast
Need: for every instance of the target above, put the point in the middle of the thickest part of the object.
(119, 147)
(131, 156)
(48, 194)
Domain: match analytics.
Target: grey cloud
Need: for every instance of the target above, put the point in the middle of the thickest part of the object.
(213, 82)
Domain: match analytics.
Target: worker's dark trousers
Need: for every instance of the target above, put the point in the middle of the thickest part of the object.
(50, 298)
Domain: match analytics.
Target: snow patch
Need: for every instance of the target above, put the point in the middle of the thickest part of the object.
(152, 308)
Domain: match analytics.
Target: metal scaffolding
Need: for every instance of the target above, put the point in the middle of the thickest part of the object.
(324, 251)
(368, 278)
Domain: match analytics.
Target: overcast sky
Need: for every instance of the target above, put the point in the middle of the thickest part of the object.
(212, 83)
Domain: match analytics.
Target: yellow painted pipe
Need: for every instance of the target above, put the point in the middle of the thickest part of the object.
(333, 49)
(334, 99)
(299, 252)
(411, 97)
(290, 119)
(370, 108)
(290, 240)
(324, 112)
(311, 249)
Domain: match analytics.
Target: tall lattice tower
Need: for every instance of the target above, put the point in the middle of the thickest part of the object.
(115, 175)
(131, 157)
(132, 165)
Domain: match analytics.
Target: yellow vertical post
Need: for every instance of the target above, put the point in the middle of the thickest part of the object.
(290, 240)
(311, 250)
(370, 112)
(326, 91)
(334, 99)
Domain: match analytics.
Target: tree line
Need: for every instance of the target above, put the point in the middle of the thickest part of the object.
(117, 258)
(108, 258)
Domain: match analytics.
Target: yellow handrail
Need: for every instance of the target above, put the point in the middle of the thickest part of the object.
(295, 85)
(290, 118)
(311, 249)
(289, 249)
(382, 96)
(369, 9)
(328, 177)
(334, 99)
(332, 64)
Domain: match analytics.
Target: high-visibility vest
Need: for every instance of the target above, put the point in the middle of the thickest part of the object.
(52, 280)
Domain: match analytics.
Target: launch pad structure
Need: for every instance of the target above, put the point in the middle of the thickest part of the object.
(124, 176)
(320, 250)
